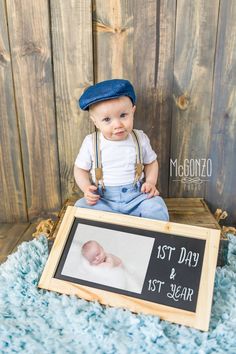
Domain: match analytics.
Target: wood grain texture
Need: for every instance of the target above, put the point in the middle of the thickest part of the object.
(26, 236)
(10, 235)
(32, 71)
(221, 192)
(195, 38)
(191, 211)
(113, 39)
(154, 29)
(12, 192)
(73, 71)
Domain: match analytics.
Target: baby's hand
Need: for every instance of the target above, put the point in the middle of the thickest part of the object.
(90, 196)
(149, 188)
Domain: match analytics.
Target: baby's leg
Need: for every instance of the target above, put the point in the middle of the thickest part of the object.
(100, 205)
(153, 208)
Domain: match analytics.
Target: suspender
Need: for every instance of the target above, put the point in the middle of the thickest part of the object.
(98, 162)
(97, 158)
(139, 156)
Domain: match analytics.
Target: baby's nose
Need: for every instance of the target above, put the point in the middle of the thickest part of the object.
(117, 123)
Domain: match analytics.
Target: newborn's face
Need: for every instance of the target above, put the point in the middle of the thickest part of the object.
(97, 255)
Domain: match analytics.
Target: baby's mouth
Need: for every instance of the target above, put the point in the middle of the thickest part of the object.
(120, 133)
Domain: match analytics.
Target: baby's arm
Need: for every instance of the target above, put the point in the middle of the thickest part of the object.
(151, 174)
(82, 178)
(116, 261)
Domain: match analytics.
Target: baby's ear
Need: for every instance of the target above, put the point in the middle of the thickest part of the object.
(134, 108)
(93, 119)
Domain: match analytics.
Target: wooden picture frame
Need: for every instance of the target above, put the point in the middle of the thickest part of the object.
(172, 265)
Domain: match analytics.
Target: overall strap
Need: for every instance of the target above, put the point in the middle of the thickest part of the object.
(97, 158)
(139, 155)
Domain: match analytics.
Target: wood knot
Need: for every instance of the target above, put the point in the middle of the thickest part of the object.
(119, 30)
(30, 48)
(182, 102)
(226, 116)
(4, 58)
(167, 227)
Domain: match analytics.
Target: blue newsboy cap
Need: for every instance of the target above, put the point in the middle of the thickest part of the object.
(106, 90)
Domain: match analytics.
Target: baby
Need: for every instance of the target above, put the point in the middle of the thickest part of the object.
(96, 255)
(121, 161)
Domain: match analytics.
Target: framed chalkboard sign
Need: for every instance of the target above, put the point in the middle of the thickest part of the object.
(144, 265)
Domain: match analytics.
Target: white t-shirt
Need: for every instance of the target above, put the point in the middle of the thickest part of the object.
(118, 158)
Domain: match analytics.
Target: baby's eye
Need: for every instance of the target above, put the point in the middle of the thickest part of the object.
(106, 120)
(123, 115)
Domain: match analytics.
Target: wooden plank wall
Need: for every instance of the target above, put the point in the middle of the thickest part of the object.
(31, 56)
(195, 43)
(71, 25)
(222, 143)
(12, 189)
(181, 57)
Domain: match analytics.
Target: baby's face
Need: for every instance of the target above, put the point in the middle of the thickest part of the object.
(96, 254)
(114, 118)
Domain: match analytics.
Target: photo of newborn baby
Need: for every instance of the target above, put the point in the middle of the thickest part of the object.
(96, 255)
(108, 257)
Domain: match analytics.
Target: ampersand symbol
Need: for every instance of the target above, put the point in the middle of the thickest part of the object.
(172, 273)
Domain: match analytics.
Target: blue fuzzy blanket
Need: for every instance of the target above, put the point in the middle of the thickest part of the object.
(38, 321)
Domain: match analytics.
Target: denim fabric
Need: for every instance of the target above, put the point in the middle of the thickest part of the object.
(130, 200)
(106, 90)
